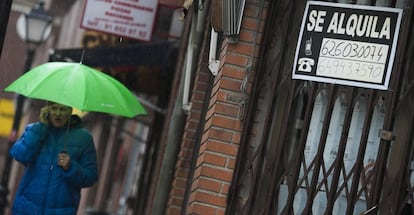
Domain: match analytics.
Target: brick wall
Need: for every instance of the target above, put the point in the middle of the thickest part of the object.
(183, 165)
(223, 121)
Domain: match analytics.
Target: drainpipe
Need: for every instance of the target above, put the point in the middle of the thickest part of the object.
(197, 27)
(187, 76)
(213, 64)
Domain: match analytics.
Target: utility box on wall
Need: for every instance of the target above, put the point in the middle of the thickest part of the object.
(227, 16)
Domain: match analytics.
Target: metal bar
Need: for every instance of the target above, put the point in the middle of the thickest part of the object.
(331, 92)
(361, 152)
(5, 7)
(341, 149)
(370, 211)
(312, 92)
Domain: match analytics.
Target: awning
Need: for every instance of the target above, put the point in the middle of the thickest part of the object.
(143, 67)
(113, 56)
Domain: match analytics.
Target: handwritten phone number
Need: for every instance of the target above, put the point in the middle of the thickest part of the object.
(350, 70)
(354, 50)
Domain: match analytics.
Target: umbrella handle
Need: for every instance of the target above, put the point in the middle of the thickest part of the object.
(66, 135)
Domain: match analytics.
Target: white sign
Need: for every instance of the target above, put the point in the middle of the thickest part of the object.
(128, 18)
(347, 44)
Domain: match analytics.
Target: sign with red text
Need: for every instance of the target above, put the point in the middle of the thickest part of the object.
(129, 18)
(347, 44)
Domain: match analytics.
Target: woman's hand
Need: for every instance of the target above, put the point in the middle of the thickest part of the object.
(64, 160)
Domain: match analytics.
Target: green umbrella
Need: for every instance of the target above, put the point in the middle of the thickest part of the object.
(79, 86)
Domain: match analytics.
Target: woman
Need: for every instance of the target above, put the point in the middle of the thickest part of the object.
(60, 159)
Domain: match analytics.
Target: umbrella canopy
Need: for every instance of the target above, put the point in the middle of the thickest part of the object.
(79, 86)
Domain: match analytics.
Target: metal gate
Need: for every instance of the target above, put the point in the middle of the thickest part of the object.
(316, 148)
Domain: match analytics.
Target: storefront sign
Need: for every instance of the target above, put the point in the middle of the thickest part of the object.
(129, 18)
(347, 44)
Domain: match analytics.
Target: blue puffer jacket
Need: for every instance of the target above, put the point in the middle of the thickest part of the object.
(45, 188)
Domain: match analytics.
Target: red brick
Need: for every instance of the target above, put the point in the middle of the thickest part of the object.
(210, 113)
(208, 184)
(202, 77)
(230, 84)
(177, 201)
(200, 86)
(250, 24)
(213, 159)
(197, 209)
(219, 174)
(251, 10)
(222, 96)
(198, 96)
(220, 134)
(216, 86)
(195, 115)
(228, 149)
(185, 153)
(192, 125)
(178, 192)
(247, 36)
(231, 163)
(189, 135)
(188, 143)
(225, 188)
(179, 183)
(223, 122)
(242, 48)
(237, 59)
(183, 163)
(227, 109)
(236, 137)
(233, 72)
(208, 123)
(210, 199)
(173, 211)
(182, 173)
(220, 211)
(197, 105)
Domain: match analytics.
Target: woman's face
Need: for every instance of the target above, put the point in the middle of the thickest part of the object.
(59, 114)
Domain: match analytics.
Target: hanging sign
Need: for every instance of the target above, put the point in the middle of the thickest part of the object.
(347, 44)
(129, 18)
